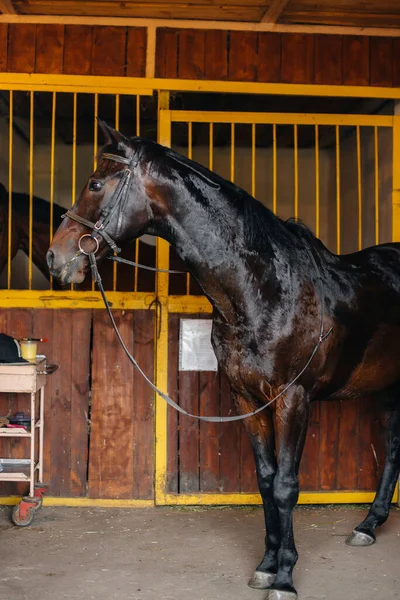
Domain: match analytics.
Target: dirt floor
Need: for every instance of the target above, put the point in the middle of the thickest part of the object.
(180, 554)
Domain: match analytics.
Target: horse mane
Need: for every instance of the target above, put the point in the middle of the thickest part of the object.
(41, 208)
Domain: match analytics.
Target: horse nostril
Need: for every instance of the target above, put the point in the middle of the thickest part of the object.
(50, 259)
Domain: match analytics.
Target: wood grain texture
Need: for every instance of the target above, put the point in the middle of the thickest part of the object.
(136, 52)
(216, 55)
(191, 54)
(49, 49)
(173, 415)
(78, 43)
(108, 53)
(243, 56)
(269, 57)
(143, 405)
(21, 48)
(189, 430)
(381, 56)
(3, 46)
(328, 60)
(356, 60)
(167, 53)
(347, 468)
(111, 440)
(230, 437)
(297, 58)
(329, 444)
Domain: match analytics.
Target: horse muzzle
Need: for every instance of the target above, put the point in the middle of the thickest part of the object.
(67, 270)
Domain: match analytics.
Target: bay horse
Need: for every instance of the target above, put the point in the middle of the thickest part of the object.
(276, 293)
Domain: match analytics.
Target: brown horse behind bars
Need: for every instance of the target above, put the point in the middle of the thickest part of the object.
(276, 291)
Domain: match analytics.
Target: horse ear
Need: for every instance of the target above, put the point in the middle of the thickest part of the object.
(114, 137)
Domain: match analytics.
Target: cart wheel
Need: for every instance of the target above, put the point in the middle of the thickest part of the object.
(22, 516)
(37, 503)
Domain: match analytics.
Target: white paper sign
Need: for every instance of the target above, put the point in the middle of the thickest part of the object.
(195, 350)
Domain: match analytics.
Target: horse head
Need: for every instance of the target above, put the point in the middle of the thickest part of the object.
(113, 208)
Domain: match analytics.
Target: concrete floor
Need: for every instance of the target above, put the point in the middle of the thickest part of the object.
(180, 554)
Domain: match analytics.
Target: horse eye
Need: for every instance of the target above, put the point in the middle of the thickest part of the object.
(95, 186)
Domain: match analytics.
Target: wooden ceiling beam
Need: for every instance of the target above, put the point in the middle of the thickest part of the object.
(274, 11)
(204, 25)
(6, 7)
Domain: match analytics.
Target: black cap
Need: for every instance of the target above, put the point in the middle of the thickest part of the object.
(10, 351)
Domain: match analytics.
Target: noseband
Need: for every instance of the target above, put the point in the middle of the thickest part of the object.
(115, 202)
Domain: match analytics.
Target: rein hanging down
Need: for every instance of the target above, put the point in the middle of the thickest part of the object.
(99, 227)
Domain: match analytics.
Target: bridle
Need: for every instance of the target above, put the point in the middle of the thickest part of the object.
(120, 196)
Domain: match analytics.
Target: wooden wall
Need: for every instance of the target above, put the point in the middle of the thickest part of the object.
(198, 54)
(99, 426)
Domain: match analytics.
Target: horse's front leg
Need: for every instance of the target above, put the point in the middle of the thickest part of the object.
(291, 418)
(261, 432)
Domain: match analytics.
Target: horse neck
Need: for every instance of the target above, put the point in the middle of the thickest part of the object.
(230, 250)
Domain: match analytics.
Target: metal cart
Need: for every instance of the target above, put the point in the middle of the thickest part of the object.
(28, 378)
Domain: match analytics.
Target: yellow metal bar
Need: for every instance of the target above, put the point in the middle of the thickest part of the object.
(253, 160)
(376, 166)
(161, 330)
(396, 180)
(74, 118)
(274, 170)
(359, 189)
(52, 164)
(31, 133)
(233, 152)
(115, 266)
(189, 304)
(199, 116)
(296, 173)
(211, 147)
(337, 190)
(317, 197)
(10, 169)
(73, 299)
(146, 86)
(138, 114)
(344, 497)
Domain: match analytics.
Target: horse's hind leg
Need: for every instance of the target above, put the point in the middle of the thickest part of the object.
(363, 535)
(261, 433)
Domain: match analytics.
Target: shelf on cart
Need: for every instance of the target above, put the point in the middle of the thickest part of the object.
(11, 432)
(15, 469)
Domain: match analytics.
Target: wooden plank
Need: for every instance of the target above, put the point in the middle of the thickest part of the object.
(356, 60)
(328, 63)
(60, 435)
(297, 58)
(167, 53)
(173, 415)
(191, 62)
(274, 11)
(21, 48)
(3, 46)
(329, 443)
(381, 61)
(108, 54)
(49, 48)
(371, 457)
(79, 385)
(136, 52)
(209, 432)
(269, 57)
(230, 438)
(309, 466)
(243, 56)
(248, 474)
(189, 432)
(396, 62)
(216, 55)
(78, 50)
(143, 406)
(347, 468)
(111, 439)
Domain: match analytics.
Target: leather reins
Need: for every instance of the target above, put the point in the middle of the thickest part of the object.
(99, 227)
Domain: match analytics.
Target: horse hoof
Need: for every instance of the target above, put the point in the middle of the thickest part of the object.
(358, 538)
(281, 595)
(261, 581)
